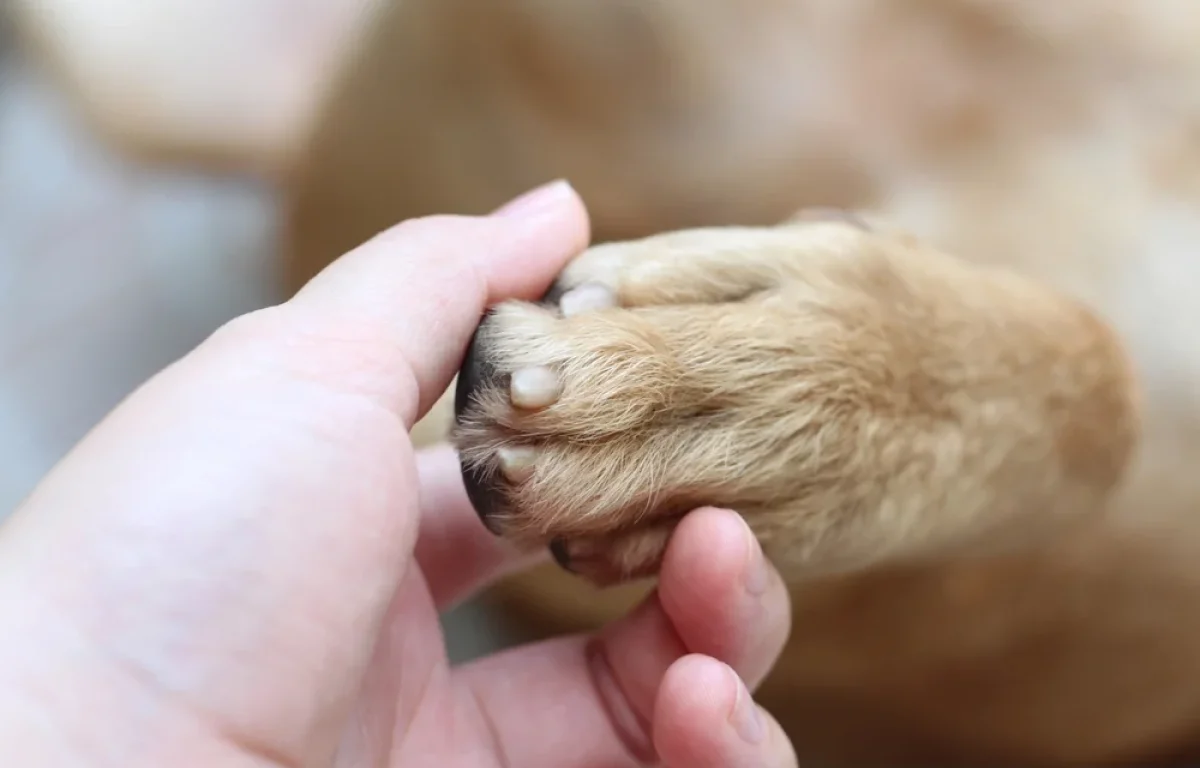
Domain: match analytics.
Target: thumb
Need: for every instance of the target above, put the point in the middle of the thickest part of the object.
(414, 294)
(228, 540)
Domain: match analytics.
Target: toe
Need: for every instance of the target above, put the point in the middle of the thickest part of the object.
(606, 560)
(561, 553)
(589, 297)
(534, 387)
(516, 462)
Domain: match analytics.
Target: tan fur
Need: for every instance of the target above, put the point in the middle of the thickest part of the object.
(973, 450)
(858, 398)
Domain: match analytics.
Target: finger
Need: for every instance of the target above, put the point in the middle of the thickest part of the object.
(412, 297)
(717, 595)
(457, 554)
(234, 531)
(607, 686)
(715, 557)
(706, 718)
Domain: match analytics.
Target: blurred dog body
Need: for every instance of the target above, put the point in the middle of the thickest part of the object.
(1057, 140)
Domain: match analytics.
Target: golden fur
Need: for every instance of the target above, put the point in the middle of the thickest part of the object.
(968, 433)
(858, 398)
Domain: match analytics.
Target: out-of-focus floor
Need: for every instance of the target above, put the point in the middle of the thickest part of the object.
(108, 272)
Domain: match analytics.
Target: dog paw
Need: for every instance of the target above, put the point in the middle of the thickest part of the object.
(849, 393)
(658, 376)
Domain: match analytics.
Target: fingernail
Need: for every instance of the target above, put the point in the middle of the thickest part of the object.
(536, 200)
(745, 717)
(757, 577)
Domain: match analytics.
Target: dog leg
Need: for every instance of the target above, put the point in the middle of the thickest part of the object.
(855, 395)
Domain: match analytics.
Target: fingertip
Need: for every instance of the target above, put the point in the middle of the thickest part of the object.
(538, 200)
(703, 564)
(723, 597)
(694, 693)
(408, 300)
(705, 716)
(553, 212)
(708, 533)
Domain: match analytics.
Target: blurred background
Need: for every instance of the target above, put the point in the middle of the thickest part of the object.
(113, 265)
(166, 165)
(109, 270)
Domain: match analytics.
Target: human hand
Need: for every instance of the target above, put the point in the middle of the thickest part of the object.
(243, 564)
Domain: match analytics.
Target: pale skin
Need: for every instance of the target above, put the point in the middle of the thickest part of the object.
(243, 564)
